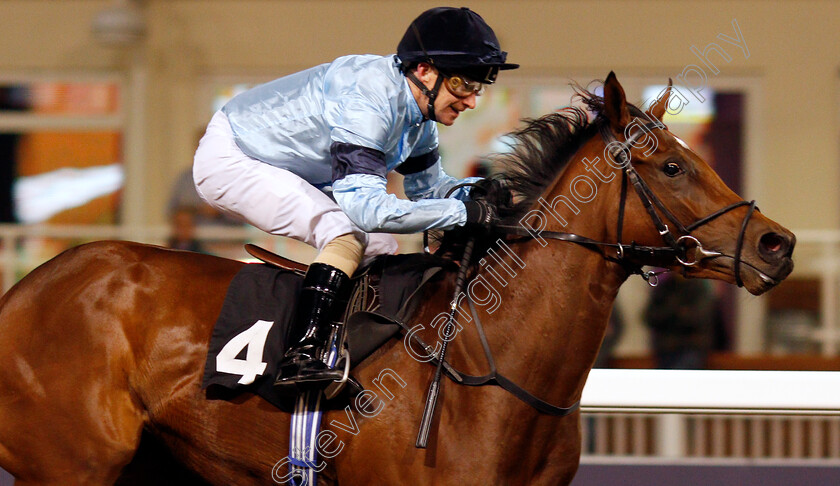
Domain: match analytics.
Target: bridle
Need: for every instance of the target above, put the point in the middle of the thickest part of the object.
(685, 249)
(631, 256)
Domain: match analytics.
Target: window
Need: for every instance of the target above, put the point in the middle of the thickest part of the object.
(60, 151)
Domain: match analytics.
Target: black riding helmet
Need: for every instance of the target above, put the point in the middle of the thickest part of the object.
(455, 41)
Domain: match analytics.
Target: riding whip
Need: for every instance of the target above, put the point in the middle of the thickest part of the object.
(434, 388)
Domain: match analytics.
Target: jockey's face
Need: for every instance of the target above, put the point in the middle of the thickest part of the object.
(447, 105)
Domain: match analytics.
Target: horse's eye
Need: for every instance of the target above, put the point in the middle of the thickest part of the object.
(672, 169)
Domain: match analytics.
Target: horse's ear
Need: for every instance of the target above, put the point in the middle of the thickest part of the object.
(657, 110)
(615, 104)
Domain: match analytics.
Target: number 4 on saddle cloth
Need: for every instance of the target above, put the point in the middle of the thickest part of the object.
(250, 335)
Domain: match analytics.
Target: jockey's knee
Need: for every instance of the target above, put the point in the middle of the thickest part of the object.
(344, 253)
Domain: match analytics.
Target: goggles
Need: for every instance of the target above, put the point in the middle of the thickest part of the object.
(462, 87)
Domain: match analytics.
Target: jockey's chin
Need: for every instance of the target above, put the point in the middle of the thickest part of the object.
(448, 107)
(448, 116)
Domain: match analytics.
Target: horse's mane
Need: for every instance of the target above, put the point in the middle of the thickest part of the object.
(539, 153)
(542, 149)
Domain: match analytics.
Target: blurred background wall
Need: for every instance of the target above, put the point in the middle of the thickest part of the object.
(794, 51)
(147, 97)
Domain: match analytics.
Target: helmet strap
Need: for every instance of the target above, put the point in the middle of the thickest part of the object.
(431, 94)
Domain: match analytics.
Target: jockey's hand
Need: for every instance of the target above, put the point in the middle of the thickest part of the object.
(481, 215)
(494, 191)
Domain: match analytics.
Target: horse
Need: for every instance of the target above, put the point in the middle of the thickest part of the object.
(106, 343)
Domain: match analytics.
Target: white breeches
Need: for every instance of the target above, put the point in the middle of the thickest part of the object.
(270, 198)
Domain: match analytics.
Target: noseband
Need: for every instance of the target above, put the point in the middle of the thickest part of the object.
(677, 248)
(630, 256)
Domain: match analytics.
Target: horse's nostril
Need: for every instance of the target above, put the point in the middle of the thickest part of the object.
(772, 242)
(773, 245)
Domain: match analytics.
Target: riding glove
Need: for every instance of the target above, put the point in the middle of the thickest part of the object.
(481, 214)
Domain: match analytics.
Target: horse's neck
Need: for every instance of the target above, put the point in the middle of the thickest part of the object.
(551, 316)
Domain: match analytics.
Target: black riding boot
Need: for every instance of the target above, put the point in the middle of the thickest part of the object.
(303, 365)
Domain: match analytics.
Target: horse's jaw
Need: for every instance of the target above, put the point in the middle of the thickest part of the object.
(757, 282)
(757, 278)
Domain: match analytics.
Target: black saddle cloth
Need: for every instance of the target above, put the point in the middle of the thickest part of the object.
(250, 334)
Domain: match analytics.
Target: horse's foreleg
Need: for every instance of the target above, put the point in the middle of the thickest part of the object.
(67, 412)
(81, 435)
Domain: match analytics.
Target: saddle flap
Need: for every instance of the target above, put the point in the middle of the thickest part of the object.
(258, 311)
(275, 260)
(366, 332)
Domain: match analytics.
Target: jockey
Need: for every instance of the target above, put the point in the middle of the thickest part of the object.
(306, 156)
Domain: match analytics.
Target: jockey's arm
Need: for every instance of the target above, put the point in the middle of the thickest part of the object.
(426, 179)
(359, 188)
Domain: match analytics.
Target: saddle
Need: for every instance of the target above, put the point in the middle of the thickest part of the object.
(250, 334)
(246, 346)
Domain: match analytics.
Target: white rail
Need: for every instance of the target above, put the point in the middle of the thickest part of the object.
(708, 391)
(785, 415)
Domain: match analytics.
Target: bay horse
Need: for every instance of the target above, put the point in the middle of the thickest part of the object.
(107, 342)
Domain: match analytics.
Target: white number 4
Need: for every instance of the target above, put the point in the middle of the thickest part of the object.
(252, 366)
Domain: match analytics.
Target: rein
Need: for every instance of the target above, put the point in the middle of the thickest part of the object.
(628, 255)
(493, 378)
